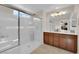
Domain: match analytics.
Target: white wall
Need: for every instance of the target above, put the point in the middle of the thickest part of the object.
(77, 12)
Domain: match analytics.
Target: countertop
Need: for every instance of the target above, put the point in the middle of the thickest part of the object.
(61, 32)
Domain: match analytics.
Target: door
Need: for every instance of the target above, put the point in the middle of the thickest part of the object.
(26, 28)
(56, 39)
(51, 38)
(72, 43)
(46, 38)
(63, 41)
(37, 23)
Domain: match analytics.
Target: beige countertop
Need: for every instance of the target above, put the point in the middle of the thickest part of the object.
(61, 32)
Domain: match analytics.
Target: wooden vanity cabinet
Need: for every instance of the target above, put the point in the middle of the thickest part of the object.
(65, 41)
(62, 41)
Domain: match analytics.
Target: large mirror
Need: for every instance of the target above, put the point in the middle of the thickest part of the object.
(62, 19)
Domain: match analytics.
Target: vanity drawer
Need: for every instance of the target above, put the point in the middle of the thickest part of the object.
(56, 37)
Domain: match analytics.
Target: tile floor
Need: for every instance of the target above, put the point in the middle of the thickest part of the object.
(47, 49)
(23, 49)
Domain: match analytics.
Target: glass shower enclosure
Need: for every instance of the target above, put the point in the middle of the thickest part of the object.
(26, 28)
(18, 28)
(8, 28)
(30, 28)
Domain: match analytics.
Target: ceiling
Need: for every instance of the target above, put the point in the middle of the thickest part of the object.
(44, 7)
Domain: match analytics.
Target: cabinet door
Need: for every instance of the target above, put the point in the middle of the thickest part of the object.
(72, 43)
(46, 38)
(56, 40)
(63, 41)
(51, 39)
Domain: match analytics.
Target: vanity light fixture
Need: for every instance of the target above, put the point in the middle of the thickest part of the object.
(62, 12)
(58, 13)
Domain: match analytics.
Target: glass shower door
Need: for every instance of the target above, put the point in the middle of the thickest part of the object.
(38, 29)
(8, 28)
(26, 28)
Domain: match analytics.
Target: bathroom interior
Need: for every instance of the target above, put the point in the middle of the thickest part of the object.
(39, 29)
